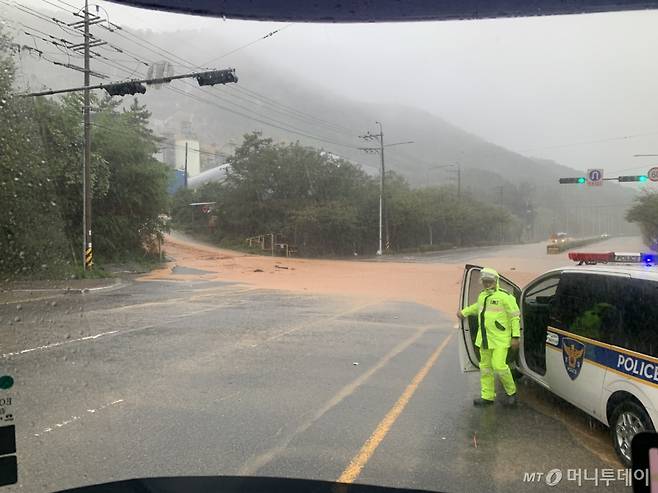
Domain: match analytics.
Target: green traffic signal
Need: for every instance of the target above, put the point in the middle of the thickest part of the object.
(641, 178)
(580, 180)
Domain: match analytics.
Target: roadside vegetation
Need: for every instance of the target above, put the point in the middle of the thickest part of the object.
(645, 213)
(41, 182)
(327, 206)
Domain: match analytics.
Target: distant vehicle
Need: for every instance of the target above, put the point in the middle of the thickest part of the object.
(588, 335)
(557, 242)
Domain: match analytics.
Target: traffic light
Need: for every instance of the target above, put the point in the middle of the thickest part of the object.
(123, 88)
(216, 77)
(641, 178)
(580, 180)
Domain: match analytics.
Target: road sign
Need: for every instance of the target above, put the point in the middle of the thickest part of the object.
(595, 177)
(653, 173)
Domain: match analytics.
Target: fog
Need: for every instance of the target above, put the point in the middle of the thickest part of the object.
(577, 89)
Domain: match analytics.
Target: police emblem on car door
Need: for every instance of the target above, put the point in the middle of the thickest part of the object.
(573, 353)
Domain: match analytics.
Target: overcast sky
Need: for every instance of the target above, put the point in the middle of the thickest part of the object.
(546, 87)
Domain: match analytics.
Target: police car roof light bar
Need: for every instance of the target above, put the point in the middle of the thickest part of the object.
(593, 258)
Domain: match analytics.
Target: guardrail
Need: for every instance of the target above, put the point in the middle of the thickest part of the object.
(558, 246)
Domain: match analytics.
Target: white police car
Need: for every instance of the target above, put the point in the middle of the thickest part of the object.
(589, 334)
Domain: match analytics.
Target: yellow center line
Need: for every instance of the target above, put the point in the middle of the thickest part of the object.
(361, 459)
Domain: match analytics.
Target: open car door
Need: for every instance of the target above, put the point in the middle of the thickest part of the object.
(469, 355)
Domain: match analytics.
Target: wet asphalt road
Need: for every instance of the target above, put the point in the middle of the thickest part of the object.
(168, 378)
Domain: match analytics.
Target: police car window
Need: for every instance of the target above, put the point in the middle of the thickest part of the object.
(508, 287)
(590, 305)
(640, 318)
(474, 287)
(537, 303)
(544, 291)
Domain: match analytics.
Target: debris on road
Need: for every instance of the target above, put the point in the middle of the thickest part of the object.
(259, 270)
(356, 363)
(280, 267)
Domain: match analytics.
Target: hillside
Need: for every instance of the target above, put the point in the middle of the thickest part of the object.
(285, 107)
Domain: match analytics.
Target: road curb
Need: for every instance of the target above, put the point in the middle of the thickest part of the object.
(118, 283)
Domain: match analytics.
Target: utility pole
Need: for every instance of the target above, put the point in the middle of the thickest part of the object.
(185, 179)
(382, 171)
(87, 256)
(380, 150)
(500, 190)
(381, 191)
(457, 168)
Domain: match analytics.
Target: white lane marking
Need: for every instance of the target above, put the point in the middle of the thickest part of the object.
(102, 334)
(73, 419)
(61, 343)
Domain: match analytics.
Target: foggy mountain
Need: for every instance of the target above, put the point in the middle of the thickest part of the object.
(285, 107)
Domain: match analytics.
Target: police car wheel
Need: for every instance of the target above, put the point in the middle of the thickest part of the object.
(628, 419)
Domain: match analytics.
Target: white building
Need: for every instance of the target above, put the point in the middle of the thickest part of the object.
(193, 157)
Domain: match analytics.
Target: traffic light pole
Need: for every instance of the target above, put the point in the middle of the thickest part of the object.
(581, 180)
(204, 78)
(87, 255)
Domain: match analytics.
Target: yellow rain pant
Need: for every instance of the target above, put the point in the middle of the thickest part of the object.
(494, 361)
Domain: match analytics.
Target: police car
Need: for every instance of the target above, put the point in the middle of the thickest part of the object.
(589, 334)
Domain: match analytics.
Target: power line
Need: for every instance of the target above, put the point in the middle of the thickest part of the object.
(274, 105)
(63, 25)
(158, 138)
(64, 43)
(290, 114)
(275, 123)
(259, 120)
(249, 117)
(68, 4)
(267, 100)
(598, 141)
(56, 43)
(158, 50)
(268, 35)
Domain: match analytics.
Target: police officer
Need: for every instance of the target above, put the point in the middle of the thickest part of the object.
(498, 330)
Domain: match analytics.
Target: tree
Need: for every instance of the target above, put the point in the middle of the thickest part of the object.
(127, 217)
(328, 206)
(32, 239)
(645, 213)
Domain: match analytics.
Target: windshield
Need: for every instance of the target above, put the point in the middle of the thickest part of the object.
(238, 248)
